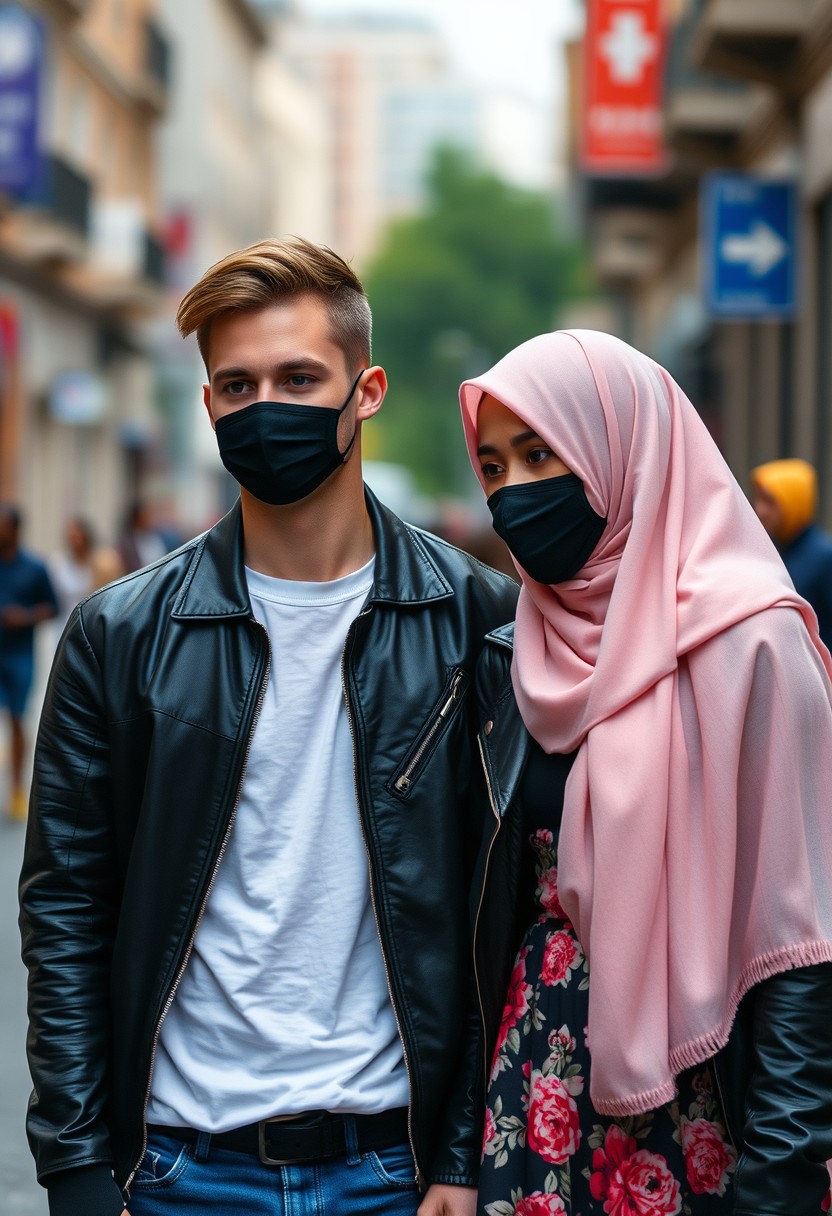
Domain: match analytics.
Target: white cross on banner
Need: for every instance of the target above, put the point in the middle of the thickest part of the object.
(623, 69)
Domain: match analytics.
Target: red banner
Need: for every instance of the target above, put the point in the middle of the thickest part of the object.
(623, 74)
(8, 330)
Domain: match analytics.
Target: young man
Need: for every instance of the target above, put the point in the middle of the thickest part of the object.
(244, 893)
(26, 598)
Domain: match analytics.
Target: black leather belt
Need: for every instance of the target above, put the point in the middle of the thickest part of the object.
(300, 1139)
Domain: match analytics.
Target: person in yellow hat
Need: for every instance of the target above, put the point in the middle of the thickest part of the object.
(786, 501)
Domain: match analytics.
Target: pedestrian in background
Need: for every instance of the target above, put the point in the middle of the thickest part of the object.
(27, 598)
(244, 894)
(81, 568)
(142, 541)
(655, 892)
(786, 501)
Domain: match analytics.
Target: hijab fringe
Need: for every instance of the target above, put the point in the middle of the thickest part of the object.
(688, 1055)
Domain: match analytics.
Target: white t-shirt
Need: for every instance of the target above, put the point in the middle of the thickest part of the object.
(284, 1005)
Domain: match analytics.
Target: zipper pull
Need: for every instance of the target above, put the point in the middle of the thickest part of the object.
(446, 708)
(403, 783)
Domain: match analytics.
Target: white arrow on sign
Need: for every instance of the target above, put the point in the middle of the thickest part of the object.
(760, 248)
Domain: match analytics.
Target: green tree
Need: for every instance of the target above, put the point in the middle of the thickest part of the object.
(484, 267)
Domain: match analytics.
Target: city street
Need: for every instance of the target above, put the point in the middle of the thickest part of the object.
(21, 1195)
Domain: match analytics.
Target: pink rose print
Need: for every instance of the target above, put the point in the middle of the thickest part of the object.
(547, 892)
(553, 1131)
(539, 1204)
(561, 1041)
(631, 1181)
(517, 1004)
(562, 953)
(490, 1129)
(709, 1161)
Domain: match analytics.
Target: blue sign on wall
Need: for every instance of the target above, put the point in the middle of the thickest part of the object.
(21, 61)
(749, 229)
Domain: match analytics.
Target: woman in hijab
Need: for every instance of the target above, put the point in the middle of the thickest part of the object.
(654, 888)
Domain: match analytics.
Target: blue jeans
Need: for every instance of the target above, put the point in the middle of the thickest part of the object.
(199, 1180)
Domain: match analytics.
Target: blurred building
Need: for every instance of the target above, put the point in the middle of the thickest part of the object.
(216, 165)
(390, 96)
(81, 264)
(748, 87)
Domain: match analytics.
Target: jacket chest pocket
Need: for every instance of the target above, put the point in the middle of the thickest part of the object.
(437, 723)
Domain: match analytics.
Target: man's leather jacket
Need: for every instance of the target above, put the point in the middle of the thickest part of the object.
(774, 1076)
(140, 758)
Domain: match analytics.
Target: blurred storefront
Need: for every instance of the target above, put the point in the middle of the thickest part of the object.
(81, 264)
(747, 99)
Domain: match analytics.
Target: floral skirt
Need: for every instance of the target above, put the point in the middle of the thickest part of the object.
(546, 1150)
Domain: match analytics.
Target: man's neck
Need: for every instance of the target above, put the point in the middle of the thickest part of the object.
(324, 537)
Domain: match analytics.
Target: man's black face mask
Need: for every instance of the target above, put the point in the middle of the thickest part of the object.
(280, 451)
(548, 525)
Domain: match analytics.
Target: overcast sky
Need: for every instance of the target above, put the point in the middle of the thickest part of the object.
(510, 42)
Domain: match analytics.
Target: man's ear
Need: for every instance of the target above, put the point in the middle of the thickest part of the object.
(373, 390)
(206, 401)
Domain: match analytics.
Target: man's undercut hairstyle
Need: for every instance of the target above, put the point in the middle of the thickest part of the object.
(272, 272)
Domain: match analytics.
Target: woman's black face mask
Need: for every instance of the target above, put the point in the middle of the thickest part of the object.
(548, 525)
(280, 451)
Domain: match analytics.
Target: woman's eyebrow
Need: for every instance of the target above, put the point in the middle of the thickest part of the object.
(485, 449)
(524, 437)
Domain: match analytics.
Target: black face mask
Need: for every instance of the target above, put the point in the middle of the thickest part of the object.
(280, 451)
(548, 525)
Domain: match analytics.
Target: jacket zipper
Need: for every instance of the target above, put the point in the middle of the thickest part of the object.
(189, 949)
(494, 836)
(419, 1175)
(403, 782)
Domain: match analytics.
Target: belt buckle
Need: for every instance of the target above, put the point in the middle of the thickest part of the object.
(262, 1149)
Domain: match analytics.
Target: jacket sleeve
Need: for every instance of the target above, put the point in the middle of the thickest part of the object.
(787, 1133)
(69, 907)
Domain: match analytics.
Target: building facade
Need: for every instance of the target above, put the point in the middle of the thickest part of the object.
(81, 268)
(748, 89)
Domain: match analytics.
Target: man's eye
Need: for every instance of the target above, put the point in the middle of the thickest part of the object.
(300, 380)
(235, 388)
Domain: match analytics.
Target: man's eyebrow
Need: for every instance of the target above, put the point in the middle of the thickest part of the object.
(299, 363)
(486, 449)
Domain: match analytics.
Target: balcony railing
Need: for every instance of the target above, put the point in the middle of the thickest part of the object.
(157, 55)
(153, 268)
(62, 192)
(69, 195)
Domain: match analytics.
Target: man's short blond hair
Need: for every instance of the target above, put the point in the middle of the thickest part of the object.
(271, 272)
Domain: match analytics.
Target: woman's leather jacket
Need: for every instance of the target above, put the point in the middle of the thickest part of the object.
(141, 753)
(775, 1074)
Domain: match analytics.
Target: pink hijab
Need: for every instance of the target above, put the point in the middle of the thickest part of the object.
(695, 852)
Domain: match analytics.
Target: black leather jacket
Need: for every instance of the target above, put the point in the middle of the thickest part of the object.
(775, 1074)
(140, 757)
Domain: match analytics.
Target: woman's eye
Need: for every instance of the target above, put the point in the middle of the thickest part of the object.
(491, 470)
(538, 455)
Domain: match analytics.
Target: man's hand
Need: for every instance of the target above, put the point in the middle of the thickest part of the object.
(444, 1200)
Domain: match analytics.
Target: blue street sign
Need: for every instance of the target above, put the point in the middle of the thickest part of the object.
(21, 62)
(749, 245)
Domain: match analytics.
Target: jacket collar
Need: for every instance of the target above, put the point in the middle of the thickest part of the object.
(215, 585)
(503, 635)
